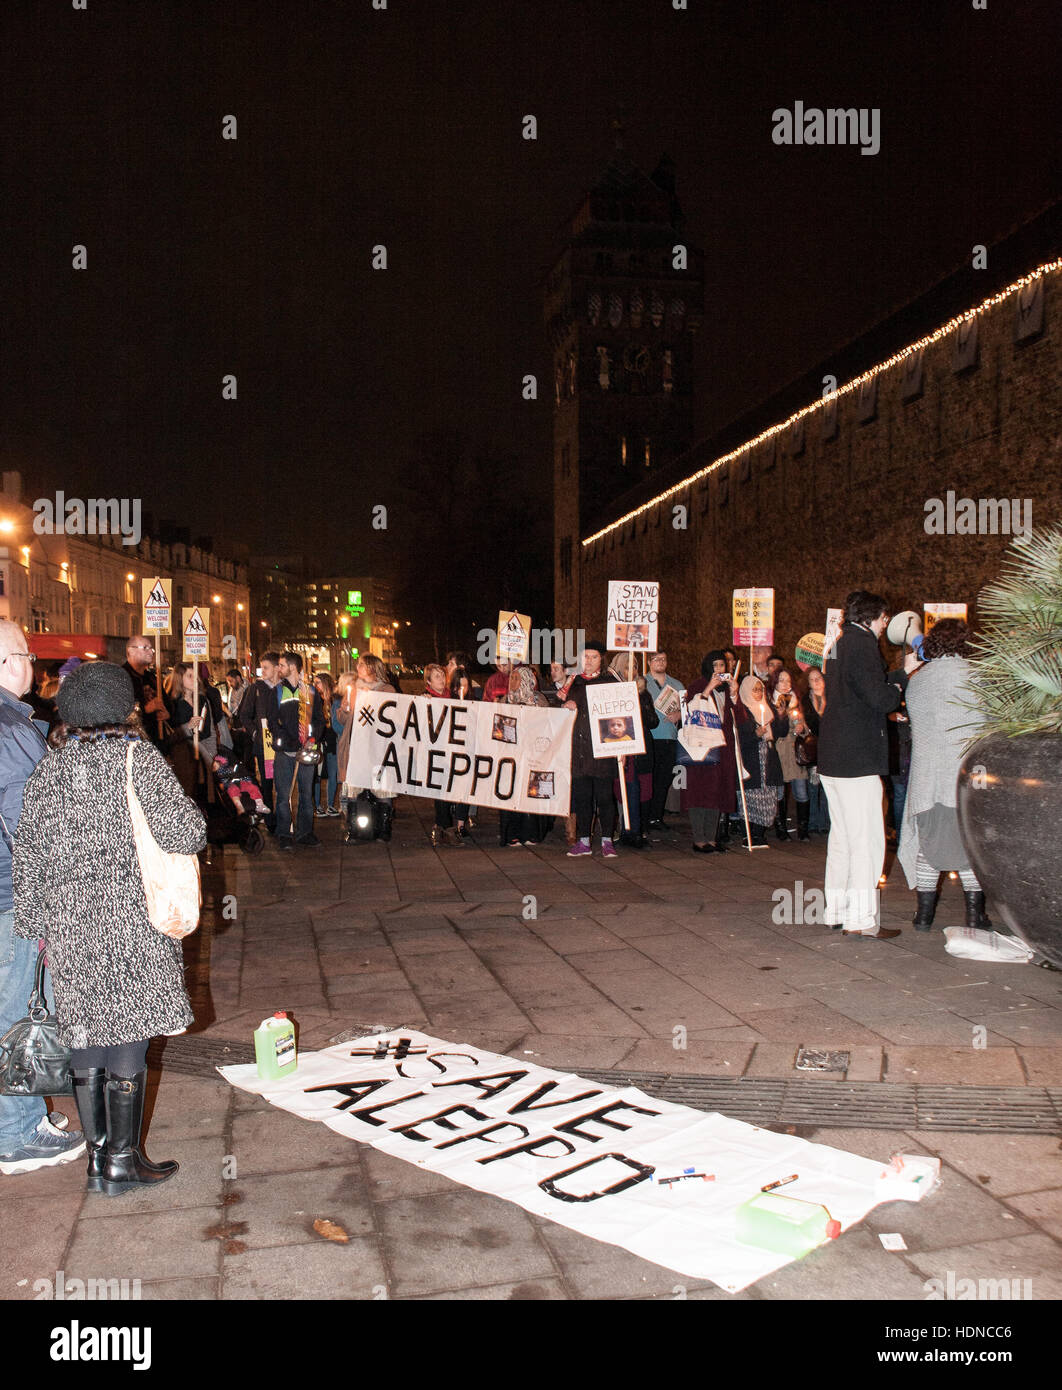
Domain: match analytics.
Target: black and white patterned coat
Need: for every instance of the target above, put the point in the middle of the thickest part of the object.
(77, 884)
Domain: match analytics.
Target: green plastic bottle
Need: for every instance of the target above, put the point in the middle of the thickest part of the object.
(784, 1224)
(274, 1047)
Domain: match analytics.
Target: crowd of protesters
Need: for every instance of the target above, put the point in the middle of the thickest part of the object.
(77, 751)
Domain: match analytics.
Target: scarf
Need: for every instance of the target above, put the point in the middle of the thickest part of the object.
(526, 692)
(306, 695)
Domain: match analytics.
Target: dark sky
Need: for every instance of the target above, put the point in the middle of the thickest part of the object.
(402, 126)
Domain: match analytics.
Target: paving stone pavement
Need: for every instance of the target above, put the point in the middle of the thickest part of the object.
(658, 961)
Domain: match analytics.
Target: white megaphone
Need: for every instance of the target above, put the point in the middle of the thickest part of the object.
(905, 630)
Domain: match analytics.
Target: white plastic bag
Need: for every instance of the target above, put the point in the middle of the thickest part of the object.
(971, 943)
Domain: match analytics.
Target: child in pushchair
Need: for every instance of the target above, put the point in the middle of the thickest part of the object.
(246, 796)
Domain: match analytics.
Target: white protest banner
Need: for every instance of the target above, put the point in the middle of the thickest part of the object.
(593, 1158)
(834, 618)
(513, 757)
(157, 603)
(195, 625)
(753, 617)
(935, 611)
(633, 615)
(514, 636)
(615, 719)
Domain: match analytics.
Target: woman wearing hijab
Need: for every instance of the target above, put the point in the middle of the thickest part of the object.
(758, 736)
(521, 827)
(710, 792)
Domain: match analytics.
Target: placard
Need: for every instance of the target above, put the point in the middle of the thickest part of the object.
(156, 599)
(834, 620)
(195, 626)
(935, 611)
(514, 637)
(633, 615)
(615, 719)
(512, 757)
(753, 618)
(809, 650)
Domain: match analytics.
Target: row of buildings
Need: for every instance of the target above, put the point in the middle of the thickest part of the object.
(72, 580)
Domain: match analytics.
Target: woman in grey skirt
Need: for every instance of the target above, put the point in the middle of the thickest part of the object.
(938, 706)
(118, 982)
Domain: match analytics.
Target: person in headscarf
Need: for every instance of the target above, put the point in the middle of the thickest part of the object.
(710, 791)
(757, 737)
(521, 827)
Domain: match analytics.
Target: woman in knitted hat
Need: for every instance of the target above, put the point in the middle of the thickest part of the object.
(118, 982)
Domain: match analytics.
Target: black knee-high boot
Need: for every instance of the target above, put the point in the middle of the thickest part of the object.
(124, 1166)
(90, 1094)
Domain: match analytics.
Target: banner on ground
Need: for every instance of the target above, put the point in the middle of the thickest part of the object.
(195, 625)
(753, 618)
(514, 637)
(156, 599)
(615, 719)
(834, 618)
(512, 757)
(633, 615)
(935, 611)
(592, 1158)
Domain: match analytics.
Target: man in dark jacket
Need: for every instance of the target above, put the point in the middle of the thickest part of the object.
(257, 706)
(853, 758)
(30, 1138)
(138, 655)
(296, 724)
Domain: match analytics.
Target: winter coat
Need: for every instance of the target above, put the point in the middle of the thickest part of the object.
(584, 764)
(22, 746)
(859, 695)
(714, 785)
(939, 700)
(77, 884)
(750, 751)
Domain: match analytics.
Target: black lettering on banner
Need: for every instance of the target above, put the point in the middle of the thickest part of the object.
(384, 1048)
(456, 771)
(354, 1091)
(411, 762)
(432, 769)
(477, 775)
(409, 1131)
(511, 764)
(438, 1065)
(528, 1102)
(385, 724)
(482, 1134)
(572, 1126)
(642, 1171)
(390, 759)
(434, 730)
(370, 1110)
(532, 1147)
(504, 1078)
(412, 722)
(458, 712)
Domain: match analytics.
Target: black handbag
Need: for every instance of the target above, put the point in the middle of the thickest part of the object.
(33, 1062)
(806, 750)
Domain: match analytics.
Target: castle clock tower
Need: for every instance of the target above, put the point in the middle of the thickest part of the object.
(623, 302)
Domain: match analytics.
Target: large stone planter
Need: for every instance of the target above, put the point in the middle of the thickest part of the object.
(1010, 818)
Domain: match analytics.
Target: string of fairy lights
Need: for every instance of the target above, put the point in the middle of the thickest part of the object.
(856, 384)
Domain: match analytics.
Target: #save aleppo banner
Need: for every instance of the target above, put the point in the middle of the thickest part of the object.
(597, 1159)
(512, 757)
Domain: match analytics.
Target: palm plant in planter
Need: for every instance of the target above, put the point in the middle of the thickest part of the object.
(1010, 787)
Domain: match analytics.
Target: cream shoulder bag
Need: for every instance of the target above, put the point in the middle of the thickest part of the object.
(171, 881)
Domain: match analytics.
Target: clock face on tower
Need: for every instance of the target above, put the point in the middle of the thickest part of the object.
(636, 359)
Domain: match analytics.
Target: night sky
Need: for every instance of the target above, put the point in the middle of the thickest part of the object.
(403, 126)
